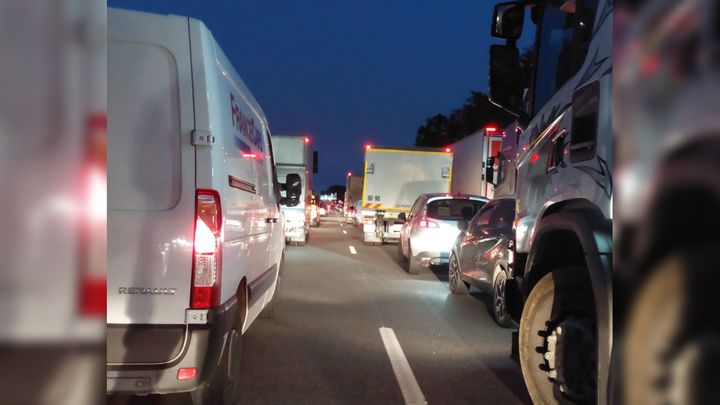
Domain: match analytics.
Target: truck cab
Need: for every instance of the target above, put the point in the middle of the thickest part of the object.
(564, 191)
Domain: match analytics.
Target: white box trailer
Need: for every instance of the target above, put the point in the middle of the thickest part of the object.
(470, 160)
(293, 154)
(394, 179)
(353, 193)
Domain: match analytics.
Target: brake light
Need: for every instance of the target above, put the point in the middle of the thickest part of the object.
(93, 221)
(426, 223)
(206, 250)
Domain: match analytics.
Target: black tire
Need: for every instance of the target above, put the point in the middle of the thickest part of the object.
(536, 324)
(457, 285)
(222, 386)
(414, 265)
(401, 255)
(499, 304)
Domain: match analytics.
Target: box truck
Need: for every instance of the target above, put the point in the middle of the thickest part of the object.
(394, 179)
(293, 154)
(470, 159)
(195, 230)
(353, 193)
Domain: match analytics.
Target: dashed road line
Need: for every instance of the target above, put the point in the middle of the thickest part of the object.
(403, 373)
(352, 249)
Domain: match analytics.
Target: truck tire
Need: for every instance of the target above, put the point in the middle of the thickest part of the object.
(414, 265)
(457, 285)
(499, 304)
(539, 335)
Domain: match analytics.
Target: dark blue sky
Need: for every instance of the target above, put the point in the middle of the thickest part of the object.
(348, 72)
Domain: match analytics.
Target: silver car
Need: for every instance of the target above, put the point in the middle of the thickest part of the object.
(431, 227)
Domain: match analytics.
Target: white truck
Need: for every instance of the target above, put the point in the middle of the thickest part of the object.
(470, 160)
(562, 265)
(394, 179)
(195, 230)
(293, 154)
(353, 193)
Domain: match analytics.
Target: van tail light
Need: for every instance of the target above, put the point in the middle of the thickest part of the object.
(92, 300)
(206, 268)
(426, 223)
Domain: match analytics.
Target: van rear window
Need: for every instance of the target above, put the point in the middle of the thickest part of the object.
(453, 209)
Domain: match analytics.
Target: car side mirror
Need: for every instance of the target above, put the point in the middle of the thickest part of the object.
(505, 88)
(463, 226)
(508, 20)
(293, 190)
(402, 216)
(490, 170)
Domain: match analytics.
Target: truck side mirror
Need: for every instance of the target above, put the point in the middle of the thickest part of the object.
(490, 170)
(505, 89)
(402, 216)
(508, 20)
(293, 190)
(315, 161)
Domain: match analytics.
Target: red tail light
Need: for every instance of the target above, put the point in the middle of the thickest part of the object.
(426, 223)
(206, 250)
(93, 221)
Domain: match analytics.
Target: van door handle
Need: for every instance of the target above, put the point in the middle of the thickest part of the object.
(271, 220)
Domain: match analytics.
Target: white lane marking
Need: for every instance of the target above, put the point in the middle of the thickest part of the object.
(403, 373)
(352, 249)
(344, 231)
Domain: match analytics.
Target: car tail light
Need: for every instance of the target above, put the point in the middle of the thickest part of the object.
(206, 250)
(426, 223)
(93, 221)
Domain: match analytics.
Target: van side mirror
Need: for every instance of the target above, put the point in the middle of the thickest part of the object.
(293, 190)
(402, 216)
(508, 20)
(490, 170)
(505, 88)
(315, 161)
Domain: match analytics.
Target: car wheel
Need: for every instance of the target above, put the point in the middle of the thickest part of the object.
(414, 264)
(401, 254)
(500, 313)
(457, 285)
(558, 339)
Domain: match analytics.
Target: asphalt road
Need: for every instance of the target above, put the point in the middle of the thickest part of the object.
(325, 346)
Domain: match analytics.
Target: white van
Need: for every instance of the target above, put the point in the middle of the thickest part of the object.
(195, 227)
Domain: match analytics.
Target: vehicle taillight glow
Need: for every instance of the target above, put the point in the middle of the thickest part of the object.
(368, 146)
(448, 150)
(307, 139)
(426, 223)
(187, 373)
(206, 250)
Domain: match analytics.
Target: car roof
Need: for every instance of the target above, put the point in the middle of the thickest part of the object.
(434, 196)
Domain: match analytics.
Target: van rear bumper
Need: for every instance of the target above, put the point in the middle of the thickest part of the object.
(202, 349)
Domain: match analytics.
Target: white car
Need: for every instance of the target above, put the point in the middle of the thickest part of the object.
(431, 227)
(195, 227)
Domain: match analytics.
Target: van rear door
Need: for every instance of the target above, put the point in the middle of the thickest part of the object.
(151, 168)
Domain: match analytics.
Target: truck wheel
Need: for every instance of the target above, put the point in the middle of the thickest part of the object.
(500, 313)
(414, 264)
(457, 285)
(558, 326)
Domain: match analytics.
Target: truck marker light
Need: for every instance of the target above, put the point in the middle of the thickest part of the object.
(448, 150)
(490, 129)
(185, 374)
(307, 139)
(534, 157)
(368, 146)
(349, 174)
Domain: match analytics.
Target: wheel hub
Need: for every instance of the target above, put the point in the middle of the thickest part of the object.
(570, 359)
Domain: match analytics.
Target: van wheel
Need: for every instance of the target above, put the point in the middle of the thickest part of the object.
(222, 386)
(414, 264)
(457, 285)
(499, 304)
(401, 254)
(558, 339)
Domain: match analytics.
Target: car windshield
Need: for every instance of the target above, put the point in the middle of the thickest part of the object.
(453, 209)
